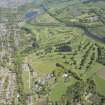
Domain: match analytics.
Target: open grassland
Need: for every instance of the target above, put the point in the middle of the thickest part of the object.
(60, 88)
(100, 85)
(66, 38)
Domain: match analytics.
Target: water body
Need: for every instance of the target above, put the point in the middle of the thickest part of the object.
(37, 2)
(89, 33)
(31, 14)
(88, 1)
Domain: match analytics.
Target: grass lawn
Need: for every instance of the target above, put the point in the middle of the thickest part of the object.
(60, 88)
(45, 65)
(93, 70)
(100, 85)
(25, 77)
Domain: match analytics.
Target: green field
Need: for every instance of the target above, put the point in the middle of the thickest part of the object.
(60, 88)
(27, 80)
(66, 38)
(100, 85)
